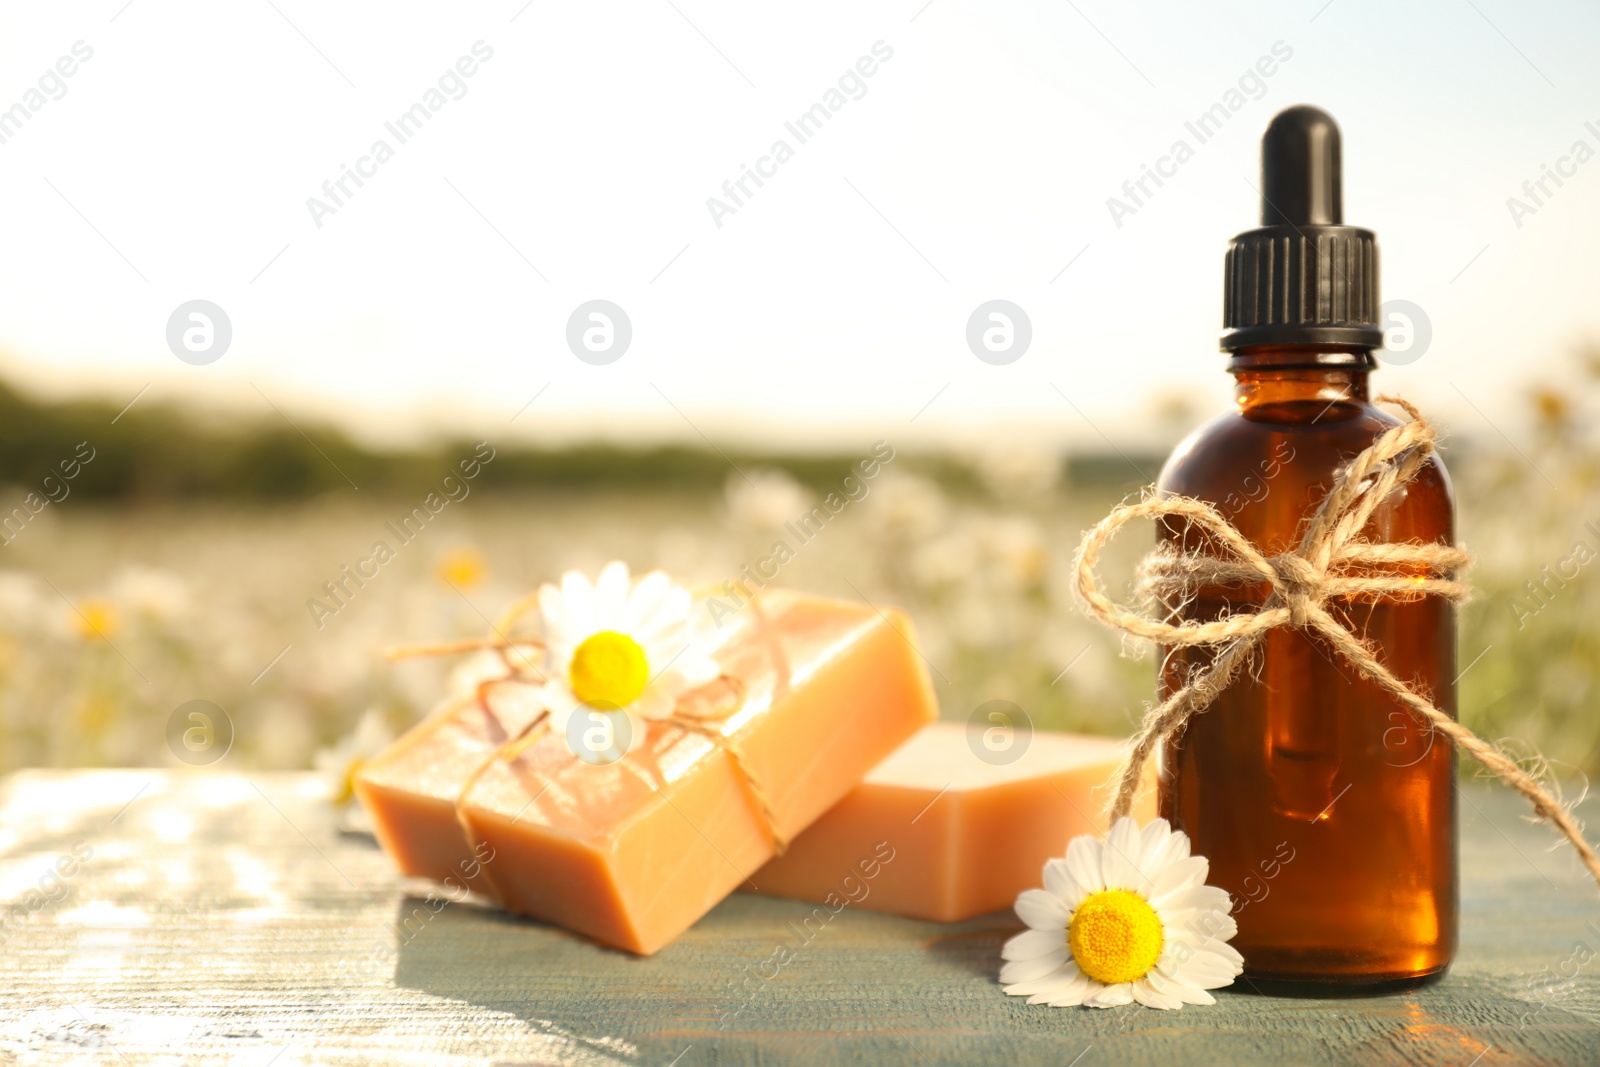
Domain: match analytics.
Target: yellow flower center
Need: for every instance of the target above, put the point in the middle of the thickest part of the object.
(609, 670)
(1115, 936)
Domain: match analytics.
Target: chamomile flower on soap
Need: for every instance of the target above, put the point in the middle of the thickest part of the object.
(618, 645)
(1129, 919)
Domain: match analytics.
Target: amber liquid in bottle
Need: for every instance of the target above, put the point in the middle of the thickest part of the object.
(1327, 811)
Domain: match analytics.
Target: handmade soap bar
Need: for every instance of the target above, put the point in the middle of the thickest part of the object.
(634, 851)
(410, 789)
(965, 835)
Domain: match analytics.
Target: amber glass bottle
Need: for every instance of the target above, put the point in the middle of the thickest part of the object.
(1325, 809)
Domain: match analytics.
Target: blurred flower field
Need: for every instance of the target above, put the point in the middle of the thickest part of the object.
(120, 617)
(113, 616)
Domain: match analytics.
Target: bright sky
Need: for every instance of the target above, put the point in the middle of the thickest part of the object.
(575, 161)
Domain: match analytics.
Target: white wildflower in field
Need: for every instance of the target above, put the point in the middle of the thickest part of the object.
(763, 500)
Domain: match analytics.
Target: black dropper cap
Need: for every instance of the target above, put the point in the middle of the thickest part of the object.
(1303, 278)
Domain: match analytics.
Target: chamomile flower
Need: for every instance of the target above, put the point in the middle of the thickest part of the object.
(619, 646)
(462, 568)
(1128, 920)
(94, 618)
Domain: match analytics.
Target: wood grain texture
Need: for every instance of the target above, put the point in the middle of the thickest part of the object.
(197, 918)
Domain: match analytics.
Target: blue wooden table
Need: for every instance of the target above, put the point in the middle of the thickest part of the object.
(187, 917)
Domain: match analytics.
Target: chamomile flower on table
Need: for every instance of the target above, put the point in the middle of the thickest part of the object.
(339, 762)
(617, 645)
(1129, 919)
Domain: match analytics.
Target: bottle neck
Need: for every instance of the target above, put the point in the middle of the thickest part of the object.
(1287, 382)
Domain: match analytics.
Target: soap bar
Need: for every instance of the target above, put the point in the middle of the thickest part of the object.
(962, 835)
(632, 852)
(410, 789)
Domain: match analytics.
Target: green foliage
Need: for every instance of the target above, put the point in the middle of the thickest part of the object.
(1533, 519)
(155, 452)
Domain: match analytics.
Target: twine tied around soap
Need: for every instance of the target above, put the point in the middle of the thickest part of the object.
(1331, 560)
(514, 656)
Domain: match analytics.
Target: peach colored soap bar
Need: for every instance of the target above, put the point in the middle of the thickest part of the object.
(966, 836)
(410, 788)
(633, 852)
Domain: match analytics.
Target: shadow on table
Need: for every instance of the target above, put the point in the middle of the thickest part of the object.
(582, 1002)
(1267, 987)
(975, 951)
(549, 978)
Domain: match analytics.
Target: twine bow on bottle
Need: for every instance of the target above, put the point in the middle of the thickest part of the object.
(1331, 560)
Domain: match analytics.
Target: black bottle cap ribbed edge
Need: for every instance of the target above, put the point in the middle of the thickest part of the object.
(1302, 278)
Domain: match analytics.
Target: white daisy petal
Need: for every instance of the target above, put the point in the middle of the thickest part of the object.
(1041, 910)
(577, 597)
(611, 596)
(1185, 943)
(1170, 849)
(1026, 989)
(1176, 877)
(1059, 883)
(1031, 944)
(1206, 970)
(1198, 898)
(1127, 829)
(1058, 988)
(1066, 986)
(1083, 863)
(1225, 950)
(669, 636)
(1073, 995)
(1207, 976)
(576, 589)
(1029, 970)
(1110, 996)
(646, 599)
(1119, 859)
(1153, 841)
(1208, 929)
(1151, 997)
(1189, 994)
(672, 613)
(1055, 982)
(1191, 934)
(553, 610)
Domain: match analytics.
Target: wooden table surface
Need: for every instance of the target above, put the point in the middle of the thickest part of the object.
(178, 917)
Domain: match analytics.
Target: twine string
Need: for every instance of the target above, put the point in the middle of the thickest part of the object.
(513, 654)
(1330, 560)
(705, 724)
